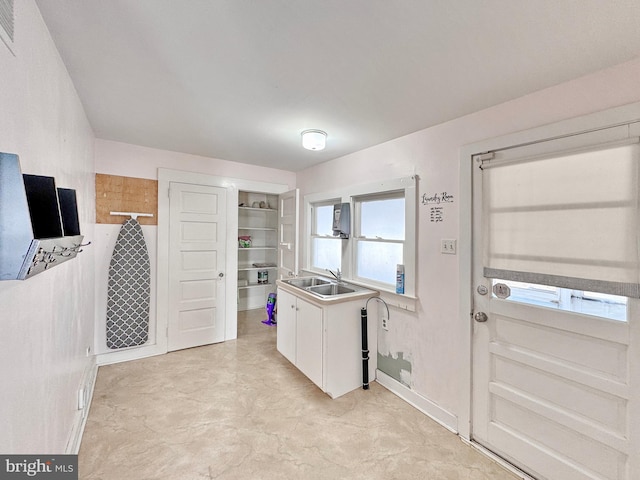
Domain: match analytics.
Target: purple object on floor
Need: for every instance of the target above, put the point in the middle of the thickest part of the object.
(271, 304)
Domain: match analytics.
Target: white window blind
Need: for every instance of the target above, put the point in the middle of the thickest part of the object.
(565, 219)
(7, 25)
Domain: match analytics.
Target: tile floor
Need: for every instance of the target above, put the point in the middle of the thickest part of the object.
(239, 410)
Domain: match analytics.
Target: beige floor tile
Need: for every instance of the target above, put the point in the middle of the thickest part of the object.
(239, 410)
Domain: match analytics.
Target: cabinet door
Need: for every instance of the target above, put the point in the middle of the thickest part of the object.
(288, 234)
(286, 329)
(309, 341)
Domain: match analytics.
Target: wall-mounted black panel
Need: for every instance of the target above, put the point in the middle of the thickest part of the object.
(42, 198)
(69, 211)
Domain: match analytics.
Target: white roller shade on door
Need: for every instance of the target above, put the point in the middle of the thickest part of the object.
(569, 219)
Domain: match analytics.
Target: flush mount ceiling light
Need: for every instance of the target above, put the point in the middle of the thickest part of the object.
(314, 139)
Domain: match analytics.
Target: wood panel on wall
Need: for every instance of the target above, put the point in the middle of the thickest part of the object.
(125, 194)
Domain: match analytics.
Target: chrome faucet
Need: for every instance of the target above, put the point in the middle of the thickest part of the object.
(337, 275)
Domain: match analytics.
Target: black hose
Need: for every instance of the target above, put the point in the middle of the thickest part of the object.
(365, 350)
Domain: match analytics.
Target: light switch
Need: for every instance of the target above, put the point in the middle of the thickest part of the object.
(448, 245)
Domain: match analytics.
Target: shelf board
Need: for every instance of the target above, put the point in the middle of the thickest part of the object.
(255, 285)
(257, 248)
(258, 208)
(266, 229)
(249, 268)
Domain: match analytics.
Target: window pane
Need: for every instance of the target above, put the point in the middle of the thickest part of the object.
(324, 220)
(383, 219)
(589, 303)
(326, 253)
(378, 260)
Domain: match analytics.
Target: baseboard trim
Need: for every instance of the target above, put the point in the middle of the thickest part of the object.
(77, 430)
(429, 408)
(126, 355)
(498, 459)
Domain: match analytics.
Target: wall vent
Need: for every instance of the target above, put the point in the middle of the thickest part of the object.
(7, 24)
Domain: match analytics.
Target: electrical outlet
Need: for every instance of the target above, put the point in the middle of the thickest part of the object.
(448, 245)
(385, 323)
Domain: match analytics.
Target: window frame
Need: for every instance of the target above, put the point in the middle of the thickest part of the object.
(358, 237)
(407, 185)
(314, 235)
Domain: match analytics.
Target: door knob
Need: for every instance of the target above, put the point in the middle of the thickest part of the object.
(480, 317)
(221, 274)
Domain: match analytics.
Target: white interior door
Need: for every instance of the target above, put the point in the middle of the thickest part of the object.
(197, 279)
(553, 391)
(288, 234)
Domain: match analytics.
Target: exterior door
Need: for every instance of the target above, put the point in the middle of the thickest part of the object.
(288, 234)
(196, 265)
(553, 391)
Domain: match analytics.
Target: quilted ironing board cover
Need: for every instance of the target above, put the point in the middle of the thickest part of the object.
(129, 289)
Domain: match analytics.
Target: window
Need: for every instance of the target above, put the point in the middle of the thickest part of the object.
(551, 219)
(379, 237)
(613, 307)
(326, 251)
(383, 234)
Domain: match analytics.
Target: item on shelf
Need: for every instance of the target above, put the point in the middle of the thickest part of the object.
(264, 265)
(244, 241)
(255, 204)
(263, 205)
(243, 282)
(263, 276)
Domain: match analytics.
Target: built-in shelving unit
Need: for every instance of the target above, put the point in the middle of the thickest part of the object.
(257, 263)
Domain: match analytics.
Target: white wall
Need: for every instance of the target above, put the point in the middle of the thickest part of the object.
(46, 321)
(115, 158)
(431, 338)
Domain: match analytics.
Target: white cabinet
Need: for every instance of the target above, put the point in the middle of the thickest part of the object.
(309, 341)
(324, 340)
(286, 336)
(257, 248)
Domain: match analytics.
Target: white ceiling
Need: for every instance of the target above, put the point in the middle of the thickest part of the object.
(240, 79)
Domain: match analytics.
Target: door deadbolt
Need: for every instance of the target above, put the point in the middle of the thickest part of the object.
(482, 290)
(480, 317)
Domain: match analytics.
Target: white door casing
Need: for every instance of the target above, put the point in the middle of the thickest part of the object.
(232, 186)
(197, 253)
(552, 391)
(288, 210)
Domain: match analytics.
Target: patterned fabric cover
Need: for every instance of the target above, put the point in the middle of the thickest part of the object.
(129, 289)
